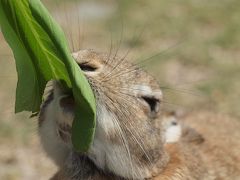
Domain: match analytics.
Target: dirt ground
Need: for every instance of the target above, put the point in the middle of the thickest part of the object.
(192, 47)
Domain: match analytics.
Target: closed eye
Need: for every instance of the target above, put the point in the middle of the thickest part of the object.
(152, 103)
(87, 67)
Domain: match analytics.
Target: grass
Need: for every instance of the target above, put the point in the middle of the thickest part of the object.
(198, 44)
(206, 59)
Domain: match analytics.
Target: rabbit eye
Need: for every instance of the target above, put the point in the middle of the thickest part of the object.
(87, 67)
(153, 104)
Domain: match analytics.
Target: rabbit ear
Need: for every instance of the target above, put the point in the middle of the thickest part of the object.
(190, 135)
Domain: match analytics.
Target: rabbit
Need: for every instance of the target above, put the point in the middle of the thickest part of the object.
(133, 137)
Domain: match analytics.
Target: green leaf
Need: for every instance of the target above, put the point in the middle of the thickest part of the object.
(41, 53)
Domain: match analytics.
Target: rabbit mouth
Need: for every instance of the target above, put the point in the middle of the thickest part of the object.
(65, 116)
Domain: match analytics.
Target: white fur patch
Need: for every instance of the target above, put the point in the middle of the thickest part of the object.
(173, 130)
(173, 134)
(55, 148)
(141, 89)
(145, 90)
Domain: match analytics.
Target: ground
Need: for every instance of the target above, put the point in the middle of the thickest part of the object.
(192, 47)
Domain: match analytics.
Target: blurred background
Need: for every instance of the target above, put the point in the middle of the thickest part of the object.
(192, 47)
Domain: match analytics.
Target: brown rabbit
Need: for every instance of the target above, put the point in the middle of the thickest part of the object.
(133, 139)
